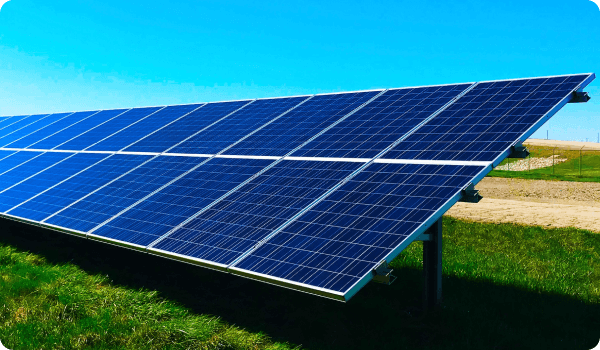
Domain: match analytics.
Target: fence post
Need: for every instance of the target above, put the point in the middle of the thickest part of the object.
(580, 159)
(554, 149)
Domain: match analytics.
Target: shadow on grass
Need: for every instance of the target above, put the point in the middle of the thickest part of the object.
(475, 315)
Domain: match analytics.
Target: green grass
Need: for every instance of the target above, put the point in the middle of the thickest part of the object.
(505, 287)
(47, 306)
(564, 171)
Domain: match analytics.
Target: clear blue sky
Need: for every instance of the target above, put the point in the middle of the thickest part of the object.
(82, 55)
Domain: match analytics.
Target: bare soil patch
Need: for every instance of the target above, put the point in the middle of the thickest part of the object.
(535, 202)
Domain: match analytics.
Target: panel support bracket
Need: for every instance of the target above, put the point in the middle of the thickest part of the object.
(518, 151)
(383, 274)
(579, 97)
(470, 194)
(432, 267)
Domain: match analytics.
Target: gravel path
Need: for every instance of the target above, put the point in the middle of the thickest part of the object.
(535, 202)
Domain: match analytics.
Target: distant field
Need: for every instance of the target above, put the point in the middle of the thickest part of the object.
(505, 287)
(568, 170)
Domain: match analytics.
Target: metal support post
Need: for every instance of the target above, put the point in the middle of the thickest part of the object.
(432, 267)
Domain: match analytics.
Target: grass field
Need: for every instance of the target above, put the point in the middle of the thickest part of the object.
(564, 171)
(505, 287)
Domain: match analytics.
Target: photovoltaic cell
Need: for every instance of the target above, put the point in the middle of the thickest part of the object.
(487, 120)
(10, 120)
(302, 123)
(233, 128)
(185, 127)
(175, 203)
(77, 187)
(31, 128)
(142, 128)
(27, 168)
(235, 224)
(9, 129)
(102, 131)
(46, 179)
(9, 161)
(49, 130)
(76, 129)
(109, 200)
(344, 237)
(383, 121)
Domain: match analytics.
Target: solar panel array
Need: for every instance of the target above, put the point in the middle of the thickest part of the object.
(308, 192)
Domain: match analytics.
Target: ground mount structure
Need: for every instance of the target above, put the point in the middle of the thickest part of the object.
(316, 193)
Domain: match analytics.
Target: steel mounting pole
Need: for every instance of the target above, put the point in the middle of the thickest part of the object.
(432, 267)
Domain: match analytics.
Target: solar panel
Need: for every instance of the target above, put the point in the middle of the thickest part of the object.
(335, 244)
(376, 126)
(173, 134)
(313, 193)
(235, 224)
(300, 124)
(488, 119)
(17, 125)
(143, 127)
(105, 130)
(44, 132)
(231, 129)
(31, 128)
(47, 178)
(77, 128)
(165, 209)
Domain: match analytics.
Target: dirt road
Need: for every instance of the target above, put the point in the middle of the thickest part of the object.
(535, 202)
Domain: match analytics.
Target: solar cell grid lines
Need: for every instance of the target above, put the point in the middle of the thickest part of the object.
(46, 179)
(10, 120)
(374, 127)
(17, 125)
(233, 128)
(33, 164)
(300, 124)
(333, 245)
(180, 130)
(167, 208)
(77, 187)
(143, 175)
(143, 127)
(487, 120)
(238, 222)
(108, 128)
(77, 128)
(31, 128)
(313, 193)
(42, 133)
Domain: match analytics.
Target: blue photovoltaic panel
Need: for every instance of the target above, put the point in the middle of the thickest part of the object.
(175, 203)
(46, 179)
(109, 200)
(9, 129)
(31, 128)
(10, 120)
(383, 121)
(143, 128)
(8, 162)
(76, 129)
(77, 187)
(235, 224)
(28, 168)
(94, 135)
(5, 154)
(302, 123)
(487, 120)
(226, 132)
(185, 127)
(344, 237)
(49, 130)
